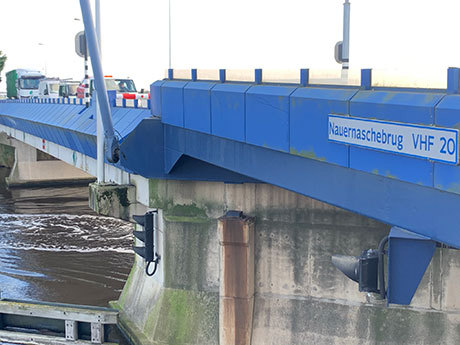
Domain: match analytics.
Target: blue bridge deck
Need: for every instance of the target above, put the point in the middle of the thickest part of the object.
(278, 134)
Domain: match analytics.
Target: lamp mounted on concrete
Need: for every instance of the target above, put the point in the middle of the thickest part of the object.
(409, 254)
(362, 269)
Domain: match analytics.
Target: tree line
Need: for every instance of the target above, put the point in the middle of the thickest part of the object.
(2, 62)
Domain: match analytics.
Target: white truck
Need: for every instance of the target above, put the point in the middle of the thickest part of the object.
(23, 83)
(49, 88)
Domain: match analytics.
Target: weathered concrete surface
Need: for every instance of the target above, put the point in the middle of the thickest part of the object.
(27, 170)
(282, 320)
(180, 304)
(300, 298)
(114, 200)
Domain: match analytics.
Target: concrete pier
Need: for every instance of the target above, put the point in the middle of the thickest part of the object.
(299, 297)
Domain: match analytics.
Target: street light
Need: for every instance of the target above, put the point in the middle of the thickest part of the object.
(99, 125)
(342, 48)
(169, 32)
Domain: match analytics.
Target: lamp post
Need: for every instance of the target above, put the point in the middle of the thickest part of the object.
(169, 40)
(346, 39)
(100, 132)
(99, 125)
(111, 140)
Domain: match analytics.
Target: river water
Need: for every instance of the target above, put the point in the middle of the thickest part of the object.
(54, 248)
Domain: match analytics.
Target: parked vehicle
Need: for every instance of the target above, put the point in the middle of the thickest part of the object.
(49, 88)
(125, 88)
(23, 83)
(68, 88)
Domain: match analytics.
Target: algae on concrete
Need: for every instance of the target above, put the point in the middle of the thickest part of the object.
(111, 200)
(188, 317)
(186, 214)
(6, 156)
(174, 212)
(128, 284)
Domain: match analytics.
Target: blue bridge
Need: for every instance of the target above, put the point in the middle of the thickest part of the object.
(280, 134)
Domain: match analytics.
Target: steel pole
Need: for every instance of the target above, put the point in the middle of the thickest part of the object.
(169, 41)
(112, 146)
(346, 38)
(100, 132)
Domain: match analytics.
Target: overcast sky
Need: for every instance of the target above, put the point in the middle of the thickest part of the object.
(405, 35)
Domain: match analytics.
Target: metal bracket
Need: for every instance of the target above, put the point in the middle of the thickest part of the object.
(409, 255)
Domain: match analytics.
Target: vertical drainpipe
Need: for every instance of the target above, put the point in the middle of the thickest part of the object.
(100, 132)
(346, 39)
(236, 276)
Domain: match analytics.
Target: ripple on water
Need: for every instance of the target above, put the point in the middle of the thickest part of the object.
(62, 252)
(77, 233)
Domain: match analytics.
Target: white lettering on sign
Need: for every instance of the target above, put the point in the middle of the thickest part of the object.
(434, 143)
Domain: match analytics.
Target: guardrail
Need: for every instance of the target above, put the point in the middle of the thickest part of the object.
(366, 79)
(142, 103)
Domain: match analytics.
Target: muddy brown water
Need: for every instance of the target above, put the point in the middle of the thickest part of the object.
(54, 248)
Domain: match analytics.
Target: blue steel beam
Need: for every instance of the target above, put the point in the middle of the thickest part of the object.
(253, 124)
(154, 160)
(423, 210)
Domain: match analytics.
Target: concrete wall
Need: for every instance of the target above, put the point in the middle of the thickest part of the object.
(300, 298)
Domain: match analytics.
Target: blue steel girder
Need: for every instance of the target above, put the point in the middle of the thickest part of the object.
(154, 160)
(427, 211)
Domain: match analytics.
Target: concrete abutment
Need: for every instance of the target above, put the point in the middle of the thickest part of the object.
(298, 297)
(30, 167)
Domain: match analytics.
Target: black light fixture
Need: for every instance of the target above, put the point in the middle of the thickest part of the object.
(367, 269)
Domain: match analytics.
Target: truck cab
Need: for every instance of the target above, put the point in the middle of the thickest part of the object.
(49, 88)
(23, 83)
(68, 88)
(124, 87)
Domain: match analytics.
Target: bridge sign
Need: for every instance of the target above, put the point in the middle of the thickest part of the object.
(434, 143)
